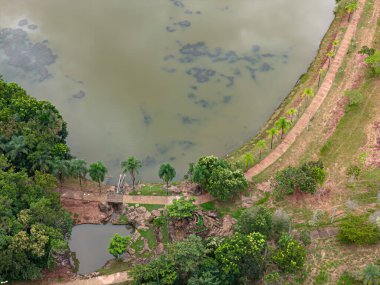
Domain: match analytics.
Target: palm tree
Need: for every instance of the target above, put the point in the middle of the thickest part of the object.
(330, 56)
(132, 165)
(166, 173)
(78, 169)
(320, 74)
(60, 169)
(41, 160)
(272, 133)
(98, 172)
(308, 93)
(248, 159)
(16, 147)
(282, 124)
(261, 145)
(292, 112)
(351, 7)
(335, 45)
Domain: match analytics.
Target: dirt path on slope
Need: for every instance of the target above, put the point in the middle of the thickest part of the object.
(303, 123)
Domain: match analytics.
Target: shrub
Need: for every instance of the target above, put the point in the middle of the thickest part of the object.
(118, 245)
(304, 178)
(225, 183)
(273, 278)
(370, 275)
(353, 171)
(374, 62)
(346, 279)
(290, 255)
(242, 255)
(358, 230)
(280, 223)
(255, 219)
(305, 237)
(181, 208)
(354, 97)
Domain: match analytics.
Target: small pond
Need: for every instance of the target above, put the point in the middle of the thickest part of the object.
(90, 244)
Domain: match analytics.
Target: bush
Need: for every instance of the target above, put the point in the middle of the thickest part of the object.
(358, 230)
(118, 245)
(290, 255)
(225, 183)
(370, 275)
(280, 223)
(218, 177)
(181, 208)
(354, 97)
(346, 279)
(353, 171)
(241, 256)
(304, 178)
(374, 62)
(305, 237)
(256, 219)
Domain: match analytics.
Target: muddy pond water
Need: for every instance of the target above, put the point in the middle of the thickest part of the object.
(89, 243)
(164, 80)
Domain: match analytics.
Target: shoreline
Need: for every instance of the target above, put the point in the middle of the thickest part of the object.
(306, 79)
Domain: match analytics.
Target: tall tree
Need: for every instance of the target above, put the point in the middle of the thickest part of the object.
(78, 169)
(132, 165)
(16, 147)
(118, 245)
(282, 124)
(272, 134)
(330, 56)
(321, 72)
(308, 93)
(248, 159)
(60, 169)
(261, 145)
(98, 172)
(166, 173)
(292, 112)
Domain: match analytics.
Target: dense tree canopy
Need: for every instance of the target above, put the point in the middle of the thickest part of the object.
(32, 132)
(33, 224)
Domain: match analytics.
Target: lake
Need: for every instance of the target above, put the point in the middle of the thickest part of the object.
(90, 244)
(165, 81)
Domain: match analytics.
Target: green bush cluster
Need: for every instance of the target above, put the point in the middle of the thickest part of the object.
(304, 178)
(358, 230)
(218, 177)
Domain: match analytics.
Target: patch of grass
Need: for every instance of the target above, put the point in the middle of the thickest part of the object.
(115, 265)
(237, 213)
(149, 207)
(123, 220)
(150, 190)
(322, 277)
(349, 135)
(150, 236)
(209, 206)
(263, 199)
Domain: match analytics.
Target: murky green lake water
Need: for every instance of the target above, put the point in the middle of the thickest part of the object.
(90, 245)
(164, 80)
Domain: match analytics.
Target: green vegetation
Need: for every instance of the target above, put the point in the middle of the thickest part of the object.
(181, 208)
(150, 190)
(209, 206)
(351, 7)
(132, 166)
(218, 178)
(304, 178)
(374, 62)
(290, 255)
(118, 245)
(255, 219)
(167, 174)
(358, 230)
(33, 225)
(97, 173)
